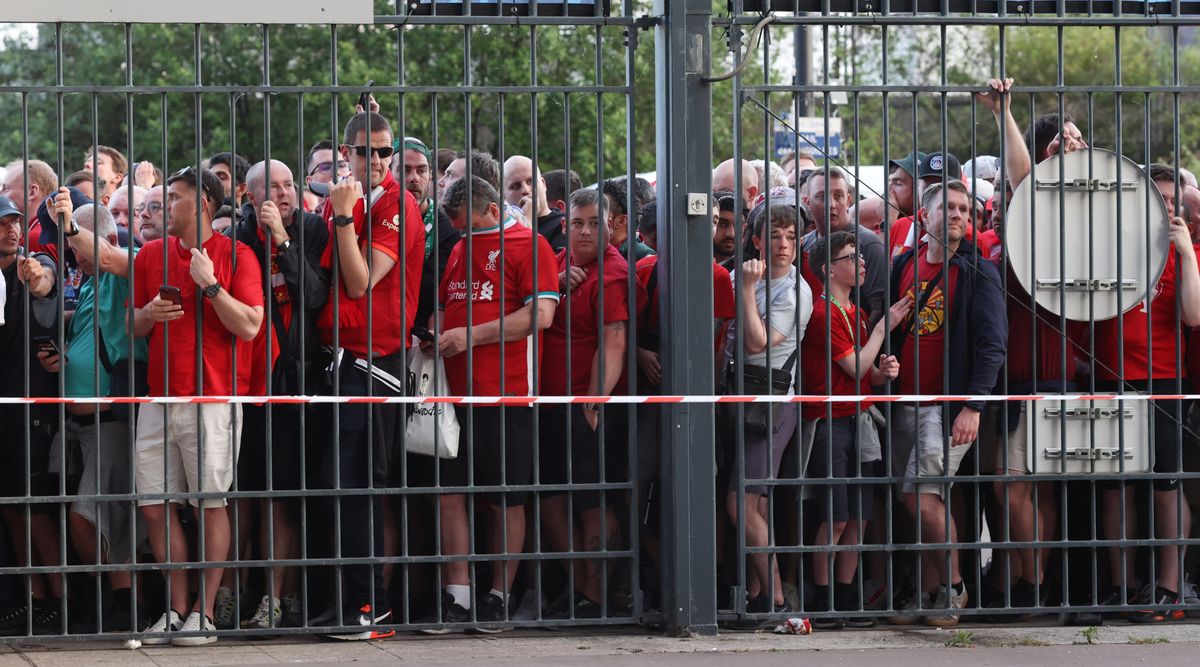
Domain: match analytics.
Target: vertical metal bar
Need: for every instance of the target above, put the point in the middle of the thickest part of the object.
(683, 110)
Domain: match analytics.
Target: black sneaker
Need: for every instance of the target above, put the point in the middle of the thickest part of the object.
(1114, 600)
(846, 598)
(491, 616)
(452, 612)
(14, 620)
(47, 617)
(760, 605)
(1155, 612)
(577, 605)
(819, 604)
(1022, 595)
(366, 616)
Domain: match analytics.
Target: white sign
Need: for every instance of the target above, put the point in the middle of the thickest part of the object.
(183, 11)
(812, 137)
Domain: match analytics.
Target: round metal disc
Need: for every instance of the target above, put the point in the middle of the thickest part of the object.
(1087, 241)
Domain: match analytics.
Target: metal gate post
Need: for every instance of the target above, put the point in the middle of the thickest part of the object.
(684, 144)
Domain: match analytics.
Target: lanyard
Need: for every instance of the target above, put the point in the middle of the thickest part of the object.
(845, 317)
(430, 220)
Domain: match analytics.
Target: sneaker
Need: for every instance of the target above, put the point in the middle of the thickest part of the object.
(225, 609)
(1022, 595)
(908, 605)
(530, 604)
(491, 615)
(168, 622)
(845, 598)
(819, 604)
(1116, 598)
(760, 605)
(47, 617)
(947, 603)
(366, 617)
(452, 612)
(791, 595)
(14, 620)
(1156, 613)
(1190, 598)
(196, 622)
(577, 605)
(268, 615)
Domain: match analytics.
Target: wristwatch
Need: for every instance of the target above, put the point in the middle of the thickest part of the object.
(343, 220)
(284, 245)
(212, 291)
(74, 230)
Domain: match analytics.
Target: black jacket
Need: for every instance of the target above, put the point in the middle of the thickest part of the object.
(550, 227)
(978, 327)
(444, 237)
(43, 321)
(307, 295)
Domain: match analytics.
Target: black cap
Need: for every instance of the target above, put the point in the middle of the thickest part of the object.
(7, 207)
(934, 163)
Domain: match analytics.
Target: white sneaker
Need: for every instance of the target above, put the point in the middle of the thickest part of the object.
(791, 595)
(225, 609)
(168, 622)
(949, 601)
(193, 624)
(268, 615)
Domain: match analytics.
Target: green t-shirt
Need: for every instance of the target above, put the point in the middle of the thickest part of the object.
(104, 298)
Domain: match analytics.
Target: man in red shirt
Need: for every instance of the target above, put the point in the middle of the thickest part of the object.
(1131, 357)
(500, 288)
(584, 356)
(379, 249)
(192, 448)
(839, 355)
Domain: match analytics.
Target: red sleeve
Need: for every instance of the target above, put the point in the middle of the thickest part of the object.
(385, 229)
(616, 298)
(247, 280)
(724, 307)
(141, 288)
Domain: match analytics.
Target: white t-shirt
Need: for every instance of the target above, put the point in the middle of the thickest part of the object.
(787, 316)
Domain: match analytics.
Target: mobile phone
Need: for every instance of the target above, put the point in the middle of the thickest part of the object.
(45, 344)
(171, 293)
(364, 100)
(423, 334)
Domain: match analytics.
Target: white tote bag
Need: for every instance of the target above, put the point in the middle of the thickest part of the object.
(432, 427)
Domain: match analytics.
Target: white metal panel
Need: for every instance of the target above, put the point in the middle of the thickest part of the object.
(1098, 436)
(209, 11)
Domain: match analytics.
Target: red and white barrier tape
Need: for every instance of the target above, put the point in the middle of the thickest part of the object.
(562, 400)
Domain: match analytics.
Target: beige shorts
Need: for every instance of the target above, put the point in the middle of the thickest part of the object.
(1015, 456)
(919, 449)
(170, 442)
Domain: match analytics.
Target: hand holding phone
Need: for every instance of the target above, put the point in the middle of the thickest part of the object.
(45, 344)
(172, 294)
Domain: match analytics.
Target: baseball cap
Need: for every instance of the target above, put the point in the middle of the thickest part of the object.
(49, 235)
(934, 163)
(909, 163)
(981, 167)
(7, 207)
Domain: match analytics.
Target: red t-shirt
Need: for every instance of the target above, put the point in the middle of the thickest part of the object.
(930, 323)
(724, 307)
(217, 346)
(584, 337)
(393, 300)
(502, 267)
(838, 329)
(1138, 349)
(1019, 364)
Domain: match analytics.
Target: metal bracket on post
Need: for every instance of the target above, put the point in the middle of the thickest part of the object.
(683, 111)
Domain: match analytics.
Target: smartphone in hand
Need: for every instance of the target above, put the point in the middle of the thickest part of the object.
(45, 344)
(172, 294)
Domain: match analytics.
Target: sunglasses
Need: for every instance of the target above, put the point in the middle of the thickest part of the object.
(192, 175)
(326, 167)
(383, 152)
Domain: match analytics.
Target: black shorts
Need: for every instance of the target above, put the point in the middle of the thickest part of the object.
(579, 459)
(1167, 438)
(835, 456)
(285, 446)
(33, 478)
(495, 447)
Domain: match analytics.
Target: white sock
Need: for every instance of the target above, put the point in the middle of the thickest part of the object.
(500, 594)
(461, 594)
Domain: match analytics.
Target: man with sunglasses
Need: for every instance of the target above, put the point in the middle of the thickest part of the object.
(183, 448)
(378, 245)
(322, 166)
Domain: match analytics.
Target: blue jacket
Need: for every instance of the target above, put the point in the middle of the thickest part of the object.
(978, 328)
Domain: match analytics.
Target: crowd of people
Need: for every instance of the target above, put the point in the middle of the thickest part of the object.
(233, 278)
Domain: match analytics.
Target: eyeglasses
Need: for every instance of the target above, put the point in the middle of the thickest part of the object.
(835, 260)
(326, 167)
(382, 151)
(152, 208)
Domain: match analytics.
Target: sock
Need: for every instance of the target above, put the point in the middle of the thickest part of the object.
(845, 597)
(123, 598)
(500, 594)
(821, 595)
(461, 594)
(959, 588)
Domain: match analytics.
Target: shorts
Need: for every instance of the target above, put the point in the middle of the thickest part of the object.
(495, 447)
(835, 456)
(582, 460)
(285, 444)
(170, 442)
(1166, 438)
(919, 449)
(764, 455)
(17, 476)
(1009, 449)
(102, 467)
